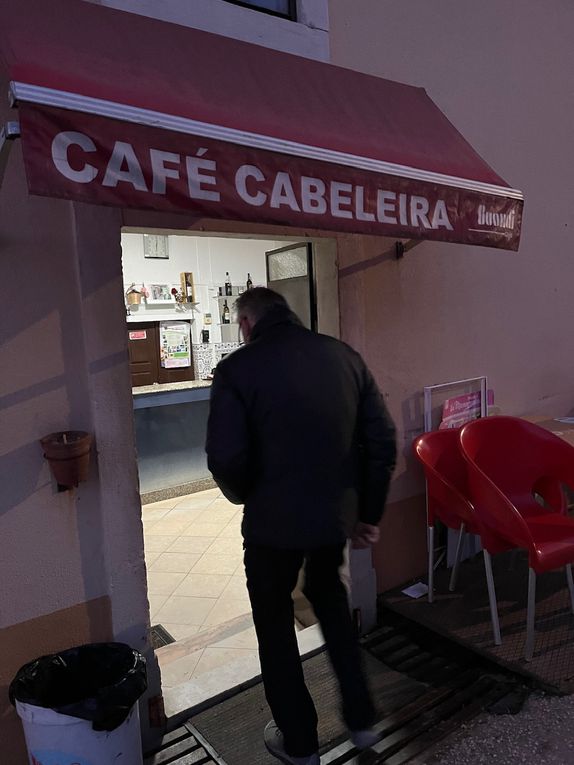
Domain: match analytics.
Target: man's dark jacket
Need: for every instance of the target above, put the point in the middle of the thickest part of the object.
(299, 432)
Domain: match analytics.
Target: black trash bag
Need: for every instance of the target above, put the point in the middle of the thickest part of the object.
(99, 682)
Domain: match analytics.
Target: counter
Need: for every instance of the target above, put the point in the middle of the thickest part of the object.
(171, 426)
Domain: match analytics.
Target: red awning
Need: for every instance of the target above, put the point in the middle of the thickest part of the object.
(124, 110)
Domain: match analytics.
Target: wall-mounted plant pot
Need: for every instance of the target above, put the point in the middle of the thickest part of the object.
(68, 453)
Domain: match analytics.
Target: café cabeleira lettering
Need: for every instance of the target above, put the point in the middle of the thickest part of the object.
(76, 157)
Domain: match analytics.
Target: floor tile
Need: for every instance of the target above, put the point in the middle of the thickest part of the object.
(224, 610)
(188, 514)
(203, 585)
(154, 515)
(155, 603)
(226, 546)
(212, 658)
(191, 544)
(180, 670)
(183, 610)
(182, 631)
(163, 504)
(215, 564)
(160, 544)
(163, 583)
(221, 502)
(203, 529)
(151, 557)
(214, 514)
(236, 588)
(195, 501)
(170, 528)
(231, 531)
(174, 562)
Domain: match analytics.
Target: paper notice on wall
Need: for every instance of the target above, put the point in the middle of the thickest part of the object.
(459, 410)
(175, 344)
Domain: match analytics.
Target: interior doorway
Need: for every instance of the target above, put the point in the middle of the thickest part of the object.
(180, 290)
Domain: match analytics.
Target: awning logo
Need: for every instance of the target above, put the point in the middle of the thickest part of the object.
(496, 219)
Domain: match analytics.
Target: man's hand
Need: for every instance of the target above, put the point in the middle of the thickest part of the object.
(365, 535)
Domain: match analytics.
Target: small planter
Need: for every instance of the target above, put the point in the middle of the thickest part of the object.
(68, 453)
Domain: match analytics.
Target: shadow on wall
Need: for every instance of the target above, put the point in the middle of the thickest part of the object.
(19, 475)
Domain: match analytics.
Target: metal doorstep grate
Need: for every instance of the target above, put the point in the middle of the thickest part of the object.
(456, 684)
(183, 746)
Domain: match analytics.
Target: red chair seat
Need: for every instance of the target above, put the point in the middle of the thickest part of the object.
(553, 537)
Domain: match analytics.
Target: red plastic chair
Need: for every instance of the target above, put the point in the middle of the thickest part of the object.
(510, 461)
(448, 501)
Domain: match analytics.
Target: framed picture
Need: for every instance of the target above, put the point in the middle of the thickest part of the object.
(155, 246)
(160, 292)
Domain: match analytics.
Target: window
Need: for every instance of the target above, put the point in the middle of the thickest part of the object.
(284, 8)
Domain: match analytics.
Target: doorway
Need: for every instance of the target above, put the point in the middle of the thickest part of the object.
(198, 600)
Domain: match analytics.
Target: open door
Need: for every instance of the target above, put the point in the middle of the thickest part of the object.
(290, 273)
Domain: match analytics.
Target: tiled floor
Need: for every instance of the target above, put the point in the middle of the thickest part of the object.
(196, 583)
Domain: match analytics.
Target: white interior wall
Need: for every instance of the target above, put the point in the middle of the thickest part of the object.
(208, 258)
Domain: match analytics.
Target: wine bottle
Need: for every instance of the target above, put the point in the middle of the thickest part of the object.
(227, 284)
(249, 282)
(225, 316)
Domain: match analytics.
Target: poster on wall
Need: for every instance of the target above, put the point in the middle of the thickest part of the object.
(175, 344)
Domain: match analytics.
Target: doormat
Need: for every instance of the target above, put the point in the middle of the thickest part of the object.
(234, 727)
(159, 636)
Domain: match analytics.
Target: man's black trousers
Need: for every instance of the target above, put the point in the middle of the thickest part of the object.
(271, 578)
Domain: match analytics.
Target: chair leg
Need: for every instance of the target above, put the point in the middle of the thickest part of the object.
(492, 598)
(454, 574)
(430, 543)
(530, 615)
(570, 584)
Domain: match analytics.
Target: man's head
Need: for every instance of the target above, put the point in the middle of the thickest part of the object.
(253, 305)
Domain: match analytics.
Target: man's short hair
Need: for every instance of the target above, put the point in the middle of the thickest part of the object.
(257, 302)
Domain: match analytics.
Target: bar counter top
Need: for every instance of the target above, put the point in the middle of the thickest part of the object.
(166, 387)
(164, 394)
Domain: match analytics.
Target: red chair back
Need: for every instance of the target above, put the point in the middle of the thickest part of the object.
(522, 459)
(446, 476)
(502, 475)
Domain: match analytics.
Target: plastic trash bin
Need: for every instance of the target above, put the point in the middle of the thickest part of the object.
(79, 707)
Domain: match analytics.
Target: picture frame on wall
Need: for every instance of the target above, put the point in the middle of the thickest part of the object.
(156, 246)
(160, 292)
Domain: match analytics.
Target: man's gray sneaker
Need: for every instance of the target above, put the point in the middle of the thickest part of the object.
(364, 739)
(274, 742)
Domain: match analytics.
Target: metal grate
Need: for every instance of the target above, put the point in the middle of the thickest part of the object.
(425, 687)
(183, 746)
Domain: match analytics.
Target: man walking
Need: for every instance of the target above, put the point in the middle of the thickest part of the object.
(299, 433)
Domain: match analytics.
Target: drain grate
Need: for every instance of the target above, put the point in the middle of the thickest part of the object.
(159, 636)
(183, 746)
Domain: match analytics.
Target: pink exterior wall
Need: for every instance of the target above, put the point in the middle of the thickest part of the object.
(502, 73)
(71, 564)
